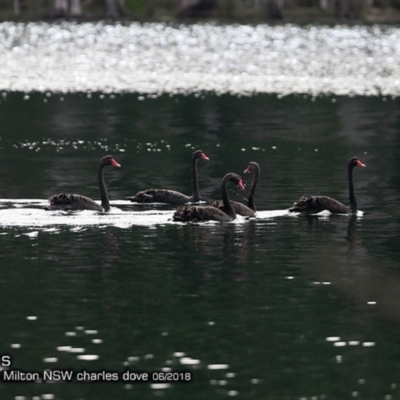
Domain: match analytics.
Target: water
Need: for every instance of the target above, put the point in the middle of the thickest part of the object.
(279, 307)
(156, 58)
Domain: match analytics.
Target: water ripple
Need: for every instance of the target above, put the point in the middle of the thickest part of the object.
(160, 58)
(30, 213)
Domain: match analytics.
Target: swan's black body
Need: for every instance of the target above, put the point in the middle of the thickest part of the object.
(316, 204)
(171, 196)
(210, 213)
(241, 209)
(76, 202)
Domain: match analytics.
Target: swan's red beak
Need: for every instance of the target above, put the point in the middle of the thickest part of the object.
(359, 164)
(240, 184)
(247, 170)
(204, 157)
(114, 163)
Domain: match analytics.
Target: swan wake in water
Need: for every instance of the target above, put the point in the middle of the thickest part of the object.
(30, 213)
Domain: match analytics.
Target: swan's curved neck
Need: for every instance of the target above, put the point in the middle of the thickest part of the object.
(225, 198)
(352, 196)
(195, 184)
(250, 200)
(105, 202)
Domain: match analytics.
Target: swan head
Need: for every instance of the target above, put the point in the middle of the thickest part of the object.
(252, 167)
(234, 178)
(355, 162)
(109, 160)
(199, 154)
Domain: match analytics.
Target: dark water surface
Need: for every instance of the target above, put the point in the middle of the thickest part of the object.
(280, 307)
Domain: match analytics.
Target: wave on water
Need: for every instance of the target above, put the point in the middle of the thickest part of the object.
(30, 213)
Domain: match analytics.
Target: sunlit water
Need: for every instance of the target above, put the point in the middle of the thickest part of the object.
(20, 213)
(156, 58)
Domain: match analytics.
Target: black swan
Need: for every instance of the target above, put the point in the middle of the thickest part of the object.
(316, 204)
(210, 213)
(70, 202)
(171, 196)
(241, 209)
